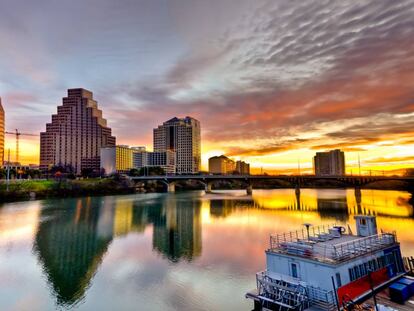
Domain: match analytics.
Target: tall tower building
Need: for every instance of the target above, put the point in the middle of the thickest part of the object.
(2, 123)
(329, 163)
(76, 134)
(183, 136)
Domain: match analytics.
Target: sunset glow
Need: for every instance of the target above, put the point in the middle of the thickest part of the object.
(271, 82)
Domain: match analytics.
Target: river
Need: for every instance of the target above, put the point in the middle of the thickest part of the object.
(183, 251)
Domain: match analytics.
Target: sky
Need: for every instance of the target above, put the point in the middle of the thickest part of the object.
(271, 81)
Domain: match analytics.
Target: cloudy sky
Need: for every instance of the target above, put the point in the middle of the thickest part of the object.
(271, 81)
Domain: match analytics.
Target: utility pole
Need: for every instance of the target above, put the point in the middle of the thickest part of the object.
(359, 164)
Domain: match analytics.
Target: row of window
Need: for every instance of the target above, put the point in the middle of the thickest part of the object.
(362, 270)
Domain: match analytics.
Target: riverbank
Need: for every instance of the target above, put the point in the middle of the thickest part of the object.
(42, 189)
(20, 190)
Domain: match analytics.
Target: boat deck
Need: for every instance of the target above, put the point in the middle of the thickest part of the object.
(324, 244)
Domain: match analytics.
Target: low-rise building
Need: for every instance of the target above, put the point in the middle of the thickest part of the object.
(164, 159)
(117, 159)
(221, 165)
(242, 168)
(140, 157)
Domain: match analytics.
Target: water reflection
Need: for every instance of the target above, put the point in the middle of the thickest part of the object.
(73, 238)
(217, 239)
(70, 246)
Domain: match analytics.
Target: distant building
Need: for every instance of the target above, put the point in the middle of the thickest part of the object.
(140, 157)
(181, 136)
(118, 159)
(331, 163)
(221, 165)
(76, 134)
(121, 159)
(242, 168)
(2, 123)
(163, 159)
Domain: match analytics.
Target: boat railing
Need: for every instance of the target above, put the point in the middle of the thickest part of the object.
(321, 298)
(329, 252)
(290, 292)
(315, 232)
(360, 246)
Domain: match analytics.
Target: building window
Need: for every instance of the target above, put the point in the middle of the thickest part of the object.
(294, 270)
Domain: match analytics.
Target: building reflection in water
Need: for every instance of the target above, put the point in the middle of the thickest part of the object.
(177, 229)
(336, 204)
(70, 244)
(73, 238)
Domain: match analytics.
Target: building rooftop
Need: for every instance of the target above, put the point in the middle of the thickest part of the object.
(329, 244)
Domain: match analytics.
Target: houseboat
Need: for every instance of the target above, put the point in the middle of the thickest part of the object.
(327, 267)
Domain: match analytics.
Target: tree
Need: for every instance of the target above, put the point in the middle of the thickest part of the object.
(134, 172)
(87, 172)
(409, 172)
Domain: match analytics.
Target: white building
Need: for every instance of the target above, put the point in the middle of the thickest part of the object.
(164, 159)
(183, 137)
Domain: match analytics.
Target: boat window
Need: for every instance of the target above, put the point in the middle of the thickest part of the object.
(351, 274)
(294, 270)
(338, 280)
(357, 274)
(362, 269)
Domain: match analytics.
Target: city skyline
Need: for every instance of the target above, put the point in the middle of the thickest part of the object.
(272, 83)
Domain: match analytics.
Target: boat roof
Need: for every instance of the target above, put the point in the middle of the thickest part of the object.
(329, 244)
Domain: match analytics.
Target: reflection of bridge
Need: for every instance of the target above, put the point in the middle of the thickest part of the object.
(294, 180)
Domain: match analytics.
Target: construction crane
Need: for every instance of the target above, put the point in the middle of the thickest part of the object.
(18, 134)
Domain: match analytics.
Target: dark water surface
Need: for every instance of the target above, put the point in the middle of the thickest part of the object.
(184, 251)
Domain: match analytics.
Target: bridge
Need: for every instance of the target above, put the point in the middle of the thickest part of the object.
(295, 180)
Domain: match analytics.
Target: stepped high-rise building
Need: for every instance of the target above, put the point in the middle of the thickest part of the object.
(183, 137)
(76, 134)
(2, 121)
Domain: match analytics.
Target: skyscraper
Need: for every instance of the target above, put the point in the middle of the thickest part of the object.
(76, 134)
(329, 163)
(1, 134)
(184, 138)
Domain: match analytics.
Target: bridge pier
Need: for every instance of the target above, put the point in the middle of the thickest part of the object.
(249, 189)
(297, 190)
(358, 196)
(209, 187)
(171, 187)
